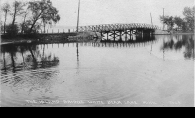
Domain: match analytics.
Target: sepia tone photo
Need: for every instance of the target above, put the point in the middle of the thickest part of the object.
(97, 53)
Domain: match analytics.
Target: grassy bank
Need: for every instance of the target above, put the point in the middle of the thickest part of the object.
(41, 38)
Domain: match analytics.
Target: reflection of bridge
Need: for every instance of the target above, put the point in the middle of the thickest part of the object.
(119, 44)
(120, 31)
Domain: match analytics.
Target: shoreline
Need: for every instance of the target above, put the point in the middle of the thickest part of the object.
(33, 40)
(185, 33)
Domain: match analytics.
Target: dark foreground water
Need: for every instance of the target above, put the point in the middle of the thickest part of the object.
(151, 72)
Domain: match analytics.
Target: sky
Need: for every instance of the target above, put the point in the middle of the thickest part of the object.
(95, 12)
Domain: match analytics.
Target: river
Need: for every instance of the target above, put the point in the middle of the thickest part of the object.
(157, 72)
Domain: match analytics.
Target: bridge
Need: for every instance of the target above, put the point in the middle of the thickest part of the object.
(110, 32)
(121, 31)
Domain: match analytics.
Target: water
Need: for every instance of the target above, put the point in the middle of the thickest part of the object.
(158, 71)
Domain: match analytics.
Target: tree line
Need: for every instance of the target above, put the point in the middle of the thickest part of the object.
(32, 15)
(182, 24)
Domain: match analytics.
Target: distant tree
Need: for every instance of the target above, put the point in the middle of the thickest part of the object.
(168, 20)
(189, 14)
(6, 9)
(43, 10)
(185, 26)
(178, 21)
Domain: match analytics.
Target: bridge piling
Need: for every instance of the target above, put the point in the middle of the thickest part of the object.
(126, 36)
(120, 35)
(107, 36)
(142, 33)
(114, 35)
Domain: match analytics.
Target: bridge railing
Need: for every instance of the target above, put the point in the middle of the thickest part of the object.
(109, 27)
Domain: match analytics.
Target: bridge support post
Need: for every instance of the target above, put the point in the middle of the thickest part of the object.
(152, 32)
(107, 35)
(125, 35)
(130, 34)
(114, 35)
(144, 32)
(120, 35)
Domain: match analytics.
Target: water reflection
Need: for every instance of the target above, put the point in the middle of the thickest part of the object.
(179, 42)
(33, 56)
(77, 46)
(130, 39)
(25, 57)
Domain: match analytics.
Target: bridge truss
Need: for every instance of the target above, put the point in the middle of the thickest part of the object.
(120, 31)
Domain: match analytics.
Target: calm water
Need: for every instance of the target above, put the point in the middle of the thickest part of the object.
(156, 71)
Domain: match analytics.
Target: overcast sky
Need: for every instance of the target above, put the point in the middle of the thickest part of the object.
(95, 12)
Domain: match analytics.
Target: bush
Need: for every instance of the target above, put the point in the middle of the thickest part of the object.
(12, 29)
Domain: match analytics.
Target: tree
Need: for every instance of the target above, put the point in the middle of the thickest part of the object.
(43, 10)
(184, 26)
(189, 14)
(50, 18)
(27, 26)
(168, 20)
(178, 21)
(6, 10)
(24, 16)
(2, 27)
(17, 10)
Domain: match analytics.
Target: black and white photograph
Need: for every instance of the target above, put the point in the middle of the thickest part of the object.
(97, 53)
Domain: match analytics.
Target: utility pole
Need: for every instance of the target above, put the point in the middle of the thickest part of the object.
(78, 17)
(151, 18)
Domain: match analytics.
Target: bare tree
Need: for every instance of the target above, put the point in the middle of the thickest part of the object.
(17, 10)
(24, 16)
(189, 14)
(6, 10)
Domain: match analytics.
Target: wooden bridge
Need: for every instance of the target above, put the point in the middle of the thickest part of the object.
(121, 31)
